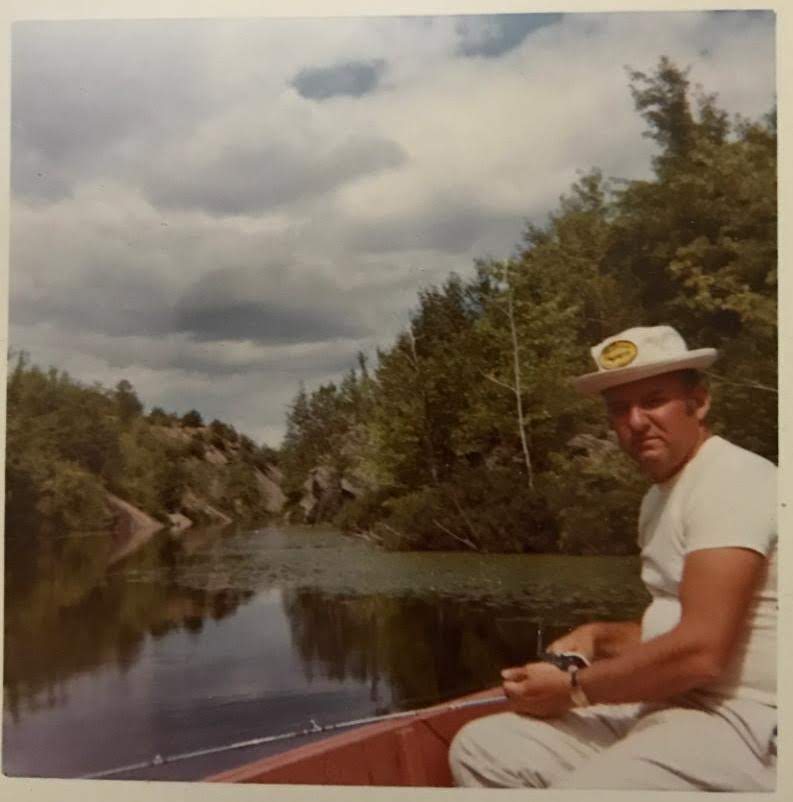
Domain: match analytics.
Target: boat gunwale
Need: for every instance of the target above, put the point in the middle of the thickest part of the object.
(252, 771)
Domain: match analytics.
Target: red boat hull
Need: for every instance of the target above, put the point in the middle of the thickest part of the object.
(403, 752)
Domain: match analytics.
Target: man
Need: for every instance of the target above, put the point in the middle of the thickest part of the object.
(685, 699)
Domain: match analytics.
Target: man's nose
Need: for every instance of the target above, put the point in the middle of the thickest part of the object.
(637, 419)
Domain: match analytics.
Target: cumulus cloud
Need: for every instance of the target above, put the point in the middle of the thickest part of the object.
(267, 305)
(256, 176)
(354, 78)
(83, 92)
(257, 200)
(493, 35)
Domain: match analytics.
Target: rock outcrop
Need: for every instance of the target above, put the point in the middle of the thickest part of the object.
(199, 510)
(270, 486)
(179, 522)
(132, 527)
(323, 494)
(213, 461)
(129, 520)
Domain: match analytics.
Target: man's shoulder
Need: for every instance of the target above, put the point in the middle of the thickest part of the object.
(723, 456)
(725, 473)
(730, 500)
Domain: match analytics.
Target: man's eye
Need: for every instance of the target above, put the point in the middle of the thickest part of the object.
(654, 401)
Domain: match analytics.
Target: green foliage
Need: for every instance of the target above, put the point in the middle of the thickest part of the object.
(72, 499)
(192, 419)
(223, 431)
(594, 493)
(324, 428)
(421, 389)
(59, 435)
(361, 514)
(247, 445)
(196, 446)
(68, 445)
(127, 402)
(154, 477)
(242, 492)
(481, 510)
(159, 417)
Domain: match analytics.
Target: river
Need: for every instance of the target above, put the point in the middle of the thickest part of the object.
(208, 637)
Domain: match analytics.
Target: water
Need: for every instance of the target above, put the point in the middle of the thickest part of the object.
(212, 637)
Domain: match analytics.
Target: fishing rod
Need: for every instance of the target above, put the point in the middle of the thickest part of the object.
(160, 760)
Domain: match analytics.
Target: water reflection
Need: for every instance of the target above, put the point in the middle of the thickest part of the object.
(420, 649)
(69, 610)
(214, 636)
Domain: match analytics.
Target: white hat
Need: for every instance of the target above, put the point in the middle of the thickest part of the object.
(638, 353)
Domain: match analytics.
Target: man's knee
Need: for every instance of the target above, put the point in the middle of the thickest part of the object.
(504, 751)
(471, 754)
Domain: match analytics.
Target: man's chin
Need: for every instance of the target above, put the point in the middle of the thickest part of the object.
(651, 465)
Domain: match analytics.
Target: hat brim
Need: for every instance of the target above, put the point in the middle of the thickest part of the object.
(592, 383)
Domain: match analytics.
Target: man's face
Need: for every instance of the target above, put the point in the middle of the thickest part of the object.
(658, 421)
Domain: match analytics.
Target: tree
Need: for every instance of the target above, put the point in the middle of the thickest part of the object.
(192, 419)
(422, 386)
(127, 402)
(159, 417)
(516, 387)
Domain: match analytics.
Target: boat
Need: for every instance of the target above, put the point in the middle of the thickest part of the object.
(410, 749)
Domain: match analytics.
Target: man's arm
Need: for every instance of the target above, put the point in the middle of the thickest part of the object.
(715, 593)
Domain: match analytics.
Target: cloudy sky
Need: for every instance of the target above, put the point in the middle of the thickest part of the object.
(219, 210)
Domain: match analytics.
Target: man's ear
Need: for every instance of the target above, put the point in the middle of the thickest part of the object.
(699, 403)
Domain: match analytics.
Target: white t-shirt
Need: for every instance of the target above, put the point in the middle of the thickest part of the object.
(725, 496)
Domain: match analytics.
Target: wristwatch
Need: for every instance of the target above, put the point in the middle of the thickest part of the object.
(577, 694)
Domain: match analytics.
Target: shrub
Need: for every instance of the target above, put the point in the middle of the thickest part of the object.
(594, 494)
(159, 417)
(73, 499)
(489, 510)
(196, 448)
(192, 419)
(361, 514)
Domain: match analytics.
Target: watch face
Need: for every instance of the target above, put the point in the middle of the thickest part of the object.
(565, 660)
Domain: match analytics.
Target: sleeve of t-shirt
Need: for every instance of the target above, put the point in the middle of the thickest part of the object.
(643, 513)
(733, 506)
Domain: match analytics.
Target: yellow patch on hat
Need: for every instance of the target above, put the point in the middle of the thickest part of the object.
(618, 354)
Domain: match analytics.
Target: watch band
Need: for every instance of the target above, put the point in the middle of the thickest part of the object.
(577, 694)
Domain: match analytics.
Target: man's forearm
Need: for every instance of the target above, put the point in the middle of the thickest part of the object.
(599, 639)
(665, 666)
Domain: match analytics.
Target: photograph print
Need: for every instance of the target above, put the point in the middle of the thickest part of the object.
(393, 401)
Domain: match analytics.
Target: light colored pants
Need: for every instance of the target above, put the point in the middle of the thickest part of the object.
(722, 747)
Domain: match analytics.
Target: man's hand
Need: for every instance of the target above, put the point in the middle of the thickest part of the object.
(537, 689)
(581, 640)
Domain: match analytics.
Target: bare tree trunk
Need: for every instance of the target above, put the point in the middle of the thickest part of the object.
(461, 511)
(428, 447)
(517, 376)
(464, 540)
(754, 385)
